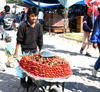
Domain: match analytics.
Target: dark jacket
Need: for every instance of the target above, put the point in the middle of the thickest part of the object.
(87, 23)
(30, 37)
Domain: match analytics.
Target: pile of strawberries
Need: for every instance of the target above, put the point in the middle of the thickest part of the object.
(52, 67)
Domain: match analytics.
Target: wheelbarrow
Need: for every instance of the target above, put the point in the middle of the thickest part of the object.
(45, 83)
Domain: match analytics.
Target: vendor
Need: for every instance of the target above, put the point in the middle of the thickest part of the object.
(29, 36)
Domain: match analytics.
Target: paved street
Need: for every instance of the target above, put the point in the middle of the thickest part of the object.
(80, 81)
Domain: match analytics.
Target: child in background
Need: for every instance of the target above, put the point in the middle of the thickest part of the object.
(9, 52)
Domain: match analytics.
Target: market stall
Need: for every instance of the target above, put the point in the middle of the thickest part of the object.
(54, 23)
(76, 14)
(68, 23)
(79, 23)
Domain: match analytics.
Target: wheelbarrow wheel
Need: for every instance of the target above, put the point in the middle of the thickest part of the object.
(55, 90)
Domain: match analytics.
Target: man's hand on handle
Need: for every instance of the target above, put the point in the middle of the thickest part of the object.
(15, 55)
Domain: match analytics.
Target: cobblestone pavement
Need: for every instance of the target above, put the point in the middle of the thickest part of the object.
(80, 81)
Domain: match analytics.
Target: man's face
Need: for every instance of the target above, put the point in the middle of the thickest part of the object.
(90, 14)
(33, 18)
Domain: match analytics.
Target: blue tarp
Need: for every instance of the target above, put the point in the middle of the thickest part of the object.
(49, 3)
(56, 1)
(81, 2)
(46, 5)
(42, 5)
(29, 2)
(68, 3)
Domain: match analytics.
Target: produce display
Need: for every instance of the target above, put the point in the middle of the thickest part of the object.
(49, 67)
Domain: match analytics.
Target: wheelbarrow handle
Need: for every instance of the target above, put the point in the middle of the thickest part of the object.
(63, 87)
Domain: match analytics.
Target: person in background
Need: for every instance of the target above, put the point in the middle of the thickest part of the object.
(9, 21)
(19, 14)
(9, 52)
(17, 21)
(12, 12)
(95, 39)
(1, 25)
(60, 13)
(88, 28)
(96, 13)
(23, 16)
(40, 16)
(29, 37)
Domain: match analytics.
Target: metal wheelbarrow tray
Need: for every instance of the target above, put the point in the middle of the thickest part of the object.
(42, 82)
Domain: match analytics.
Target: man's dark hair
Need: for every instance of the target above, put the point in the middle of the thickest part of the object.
(7, 8)
(31, 10)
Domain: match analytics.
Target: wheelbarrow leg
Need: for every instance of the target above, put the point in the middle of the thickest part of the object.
(32, 88)
(37, 85)
(29, 82)
(49, 86)
(42, 89)
(63, 87)
(57, 84)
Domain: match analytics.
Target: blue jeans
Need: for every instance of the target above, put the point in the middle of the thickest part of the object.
(28, 53)
(97, 64)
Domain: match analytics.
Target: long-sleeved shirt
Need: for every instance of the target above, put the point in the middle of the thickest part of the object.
(95, 38)
(87, 23)
(30, 38)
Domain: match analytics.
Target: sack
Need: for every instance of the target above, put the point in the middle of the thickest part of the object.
(19, 72)
(10, 50)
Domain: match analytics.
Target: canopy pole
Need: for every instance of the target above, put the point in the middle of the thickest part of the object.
(64, 20)
(39, 4)
(15, 8)
(93, 15)
(65, 17)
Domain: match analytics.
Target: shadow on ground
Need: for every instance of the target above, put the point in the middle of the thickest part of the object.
(48, 46)
(80, 87)
(7, 81)
(2, 49)
(69, 52)
(79, 72)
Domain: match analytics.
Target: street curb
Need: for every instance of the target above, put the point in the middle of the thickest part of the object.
(71, 38)
(65, 37)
